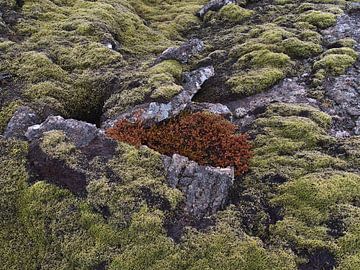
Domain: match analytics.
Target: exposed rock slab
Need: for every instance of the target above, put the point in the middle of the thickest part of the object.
(81, 133)
(23, 118)
(213, 5)
(205, 188)
(155, 112)
(182, 53)
(289, 90)
(344, 91)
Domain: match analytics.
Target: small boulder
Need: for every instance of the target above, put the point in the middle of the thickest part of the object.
(81, 133)
(182, 53)
(205, 188)
(23, 118)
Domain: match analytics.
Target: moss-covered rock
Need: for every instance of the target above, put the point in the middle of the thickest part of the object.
(302, 49)
(318, 18)
(335, 63)
(255, 81)
(234, 13)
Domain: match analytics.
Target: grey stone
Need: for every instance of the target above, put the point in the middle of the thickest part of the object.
(215, 108)
(155, 112)
(79, 132)
(182, 53)
(205, 188)
(344, 91)
(23, 118)
(213, 5)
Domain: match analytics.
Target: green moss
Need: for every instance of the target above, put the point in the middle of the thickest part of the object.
(36, 67)
(45, 89)
(119, 103)
(334, 64)
(350, 263)
(274, 34)
(318, 18)
(297, 233)
(56, 145)
(5, 45)
(234, 13)
(92, 55)
(344, 50)
(286, 109)
(249, 46)
(222, 248)
(301, 49)
(16, 249)
(295, 128)
(307, 203)
(255, 81)
(264, 58)
(172, 67)
(345, 42)
(310, 35)
(166, 91)
(142, 167)
(311, 197)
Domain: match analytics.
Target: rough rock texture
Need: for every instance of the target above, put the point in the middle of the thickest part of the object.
(81, 133)
(183, 53)
(290, 90)
(215, 108)
(157, 112)
(205, 188)
(344, 91)
(23, 118)
(213, 5)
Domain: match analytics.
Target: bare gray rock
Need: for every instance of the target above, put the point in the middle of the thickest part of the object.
(216, 108)
(205, 188)
(182, 53)
(344, 91)
(213, 5)
(23, 118)
(79, 132)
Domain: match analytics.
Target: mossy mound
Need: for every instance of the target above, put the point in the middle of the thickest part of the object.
(333, 62)
(255, 81)
(320, 19)
(231, 13)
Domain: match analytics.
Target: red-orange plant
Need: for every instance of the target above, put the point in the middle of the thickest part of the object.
(206, 138)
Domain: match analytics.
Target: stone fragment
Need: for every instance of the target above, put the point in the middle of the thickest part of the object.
(205, 188)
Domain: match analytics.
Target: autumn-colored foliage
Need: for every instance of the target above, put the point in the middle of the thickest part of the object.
(206, 138)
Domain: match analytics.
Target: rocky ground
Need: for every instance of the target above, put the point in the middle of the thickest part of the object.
(286, 72)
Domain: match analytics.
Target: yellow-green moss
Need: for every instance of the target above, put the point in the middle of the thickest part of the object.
(249, 46)
(36, 67)
(334, 64)
(92, 55)
(288, 109)
(307, 203)
(318, 18)
(301, 49)
(166, 91)
(172, 67)
(234, 13)
(56, 145)
(255, 81)
(264, 58)
(344, 50)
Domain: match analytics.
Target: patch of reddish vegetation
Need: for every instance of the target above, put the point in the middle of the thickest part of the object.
(206, 138)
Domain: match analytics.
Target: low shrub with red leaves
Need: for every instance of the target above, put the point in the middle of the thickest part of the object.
(206, 138)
